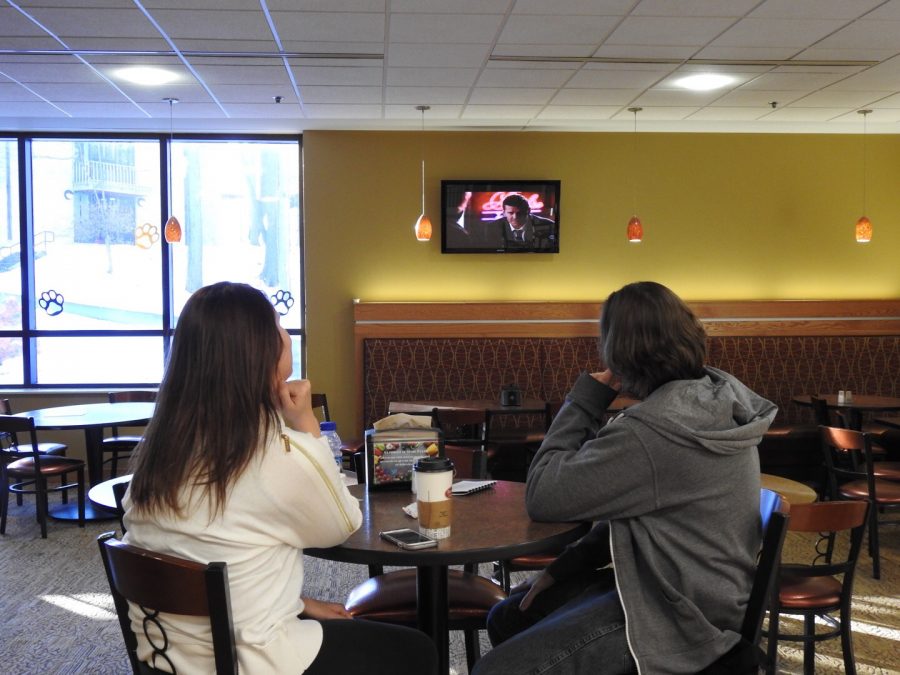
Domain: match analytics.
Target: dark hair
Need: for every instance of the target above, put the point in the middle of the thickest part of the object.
(517, 201)
(217, 401)
(648, 337)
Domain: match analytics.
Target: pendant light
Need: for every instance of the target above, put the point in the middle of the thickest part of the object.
(635, 230)
(423, 224)
(172, 229)
(864, 225)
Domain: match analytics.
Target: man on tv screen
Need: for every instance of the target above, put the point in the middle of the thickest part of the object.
(519, 228)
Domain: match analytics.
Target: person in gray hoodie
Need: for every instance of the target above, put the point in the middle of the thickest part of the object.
(661, 583)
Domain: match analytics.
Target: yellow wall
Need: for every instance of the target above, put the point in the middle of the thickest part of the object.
(726, 216)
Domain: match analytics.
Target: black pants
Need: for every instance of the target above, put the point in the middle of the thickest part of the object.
(351, 646)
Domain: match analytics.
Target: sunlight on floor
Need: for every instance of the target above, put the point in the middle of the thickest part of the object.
(90, 605)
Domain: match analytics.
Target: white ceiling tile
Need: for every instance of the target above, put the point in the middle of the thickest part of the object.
(578, 112)
(797, 114)
(511, 113)
(337, 48)
(69, 22)
(43, 72)
(512, 96)
(512, 77)
(579, 7)
(564, 50)
(340, 75)
(117, 43)
(527, 30)
(832, 98)
(672, 31)
(271, 73)
(676, 97)
(204, 45)
(100, 109)
(696, 8)
(888, 10)
(457, 56)
(258, 93)
(444, 28)
(802, 82)
(220, 24)
(821, 9)
(31, 109)
(586, 97)
(80, 91)
(14, 23)
(268, 110)
(325, 111)
(658, 113)
(437, 77)
(719, 52)
(450, 6)
(731, 114)
(858, 53)
(11, 92)
(871, 34)
(28, 43)
(425, 95)
(325, 5)
(754, 98)
(357, 95)
(148, 97)
(616, 79)
(644, 51)
(329, 26)
(409, 112)
(777, 32)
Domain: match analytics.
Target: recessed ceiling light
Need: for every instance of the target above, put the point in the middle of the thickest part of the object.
(704, 81)
(146, 75)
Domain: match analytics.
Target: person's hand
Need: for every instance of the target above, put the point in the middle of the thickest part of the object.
(540, 584)
(296, 406)
(606, 377)
(322, 611)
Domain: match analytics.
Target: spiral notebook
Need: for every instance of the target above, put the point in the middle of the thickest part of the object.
(467, 487)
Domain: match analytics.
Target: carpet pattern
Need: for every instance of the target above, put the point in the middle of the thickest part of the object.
(57, 618)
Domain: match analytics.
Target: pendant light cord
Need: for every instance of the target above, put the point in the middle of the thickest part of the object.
(634, 159)
(422, 109)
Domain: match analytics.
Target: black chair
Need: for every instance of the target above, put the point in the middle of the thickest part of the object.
(119, 490)
(812, 590)
(745, 658)
(163, 583)
(466, 434)
(852, 475)
(391, 598)
(29, 474)
(349, 446)
(9, 444)
(117, 445)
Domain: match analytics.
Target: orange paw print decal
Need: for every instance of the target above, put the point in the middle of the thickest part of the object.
(146, 235)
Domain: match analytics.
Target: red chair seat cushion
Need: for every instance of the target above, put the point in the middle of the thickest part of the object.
(887, 470)
(887, 492)
(391, 597)
(798, 592)
(50, 466)
(536, 561)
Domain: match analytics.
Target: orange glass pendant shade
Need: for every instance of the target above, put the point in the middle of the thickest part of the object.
(173, 230)
(423, 228)
(635, 230)
(863, 230)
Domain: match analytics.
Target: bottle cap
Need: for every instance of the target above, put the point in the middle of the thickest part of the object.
(328, 426)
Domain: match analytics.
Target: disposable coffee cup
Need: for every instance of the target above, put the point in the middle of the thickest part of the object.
(433, 477)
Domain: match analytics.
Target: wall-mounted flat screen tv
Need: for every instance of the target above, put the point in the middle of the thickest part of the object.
(500, 216)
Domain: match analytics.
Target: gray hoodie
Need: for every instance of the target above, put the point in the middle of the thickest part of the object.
(677, 478)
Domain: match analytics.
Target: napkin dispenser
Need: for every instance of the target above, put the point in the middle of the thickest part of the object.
(391, 453)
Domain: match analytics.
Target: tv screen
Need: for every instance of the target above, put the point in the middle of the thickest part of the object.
(500, 216)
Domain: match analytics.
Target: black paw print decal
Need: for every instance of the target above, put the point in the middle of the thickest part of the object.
(146, 235)
(52, 302)
(283, 301)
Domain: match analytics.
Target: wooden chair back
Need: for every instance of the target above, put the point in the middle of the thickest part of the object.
(163, 583)
(466, 437)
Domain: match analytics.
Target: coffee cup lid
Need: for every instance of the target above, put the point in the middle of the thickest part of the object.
(435, 464)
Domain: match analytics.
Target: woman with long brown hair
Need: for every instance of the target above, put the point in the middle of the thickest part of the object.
(232, 467)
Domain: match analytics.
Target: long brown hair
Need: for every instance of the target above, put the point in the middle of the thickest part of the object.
(648, 337)
(217, 401)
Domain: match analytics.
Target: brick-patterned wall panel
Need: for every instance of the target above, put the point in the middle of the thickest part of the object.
(452, 368)
(780, 368)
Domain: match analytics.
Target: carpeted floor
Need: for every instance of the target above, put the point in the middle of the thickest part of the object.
(56, 615)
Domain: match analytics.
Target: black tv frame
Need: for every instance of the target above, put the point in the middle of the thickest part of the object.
(476, 235)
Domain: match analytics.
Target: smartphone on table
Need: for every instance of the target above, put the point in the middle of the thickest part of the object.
(408, 539)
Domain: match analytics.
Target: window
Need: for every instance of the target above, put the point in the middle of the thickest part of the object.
(100, 286)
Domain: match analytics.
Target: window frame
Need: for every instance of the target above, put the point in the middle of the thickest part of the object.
(27, 332)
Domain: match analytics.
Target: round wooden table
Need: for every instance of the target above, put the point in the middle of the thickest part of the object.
(859, 404)
(791, 490)
(486, 526)
(92, 417)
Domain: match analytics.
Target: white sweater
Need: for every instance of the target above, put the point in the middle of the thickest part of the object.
(284, 502)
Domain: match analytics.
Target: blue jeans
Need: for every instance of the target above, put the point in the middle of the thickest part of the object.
(576, 626)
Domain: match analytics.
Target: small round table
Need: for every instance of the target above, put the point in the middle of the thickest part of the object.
(859, 404)
(791, 490)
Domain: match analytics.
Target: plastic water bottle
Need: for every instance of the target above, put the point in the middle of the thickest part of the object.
(329, 431)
